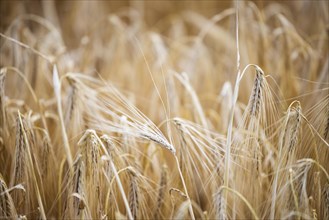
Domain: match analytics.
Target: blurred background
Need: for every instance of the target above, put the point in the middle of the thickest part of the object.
(152, 11)
(197, 37)
(117, 39)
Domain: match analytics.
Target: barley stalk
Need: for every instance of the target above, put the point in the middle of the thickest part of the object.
(57, 90)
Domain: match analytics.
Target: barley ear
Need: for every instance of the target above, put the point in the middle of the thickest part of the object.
(326, 128)
(7, 208)
(296, 119)
(75, 206)
(134, 195)
(325, 201)
(89, 148)
(256, 98)
(220, 206)
(20, 163)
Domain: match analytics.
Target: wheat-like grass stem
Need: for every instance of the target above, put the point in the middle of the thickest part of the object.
(57, 89)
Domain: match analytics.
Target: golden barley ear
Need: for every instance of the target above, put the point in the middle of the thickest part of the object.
(90, 151)
(20, 163)
(220, 207)
(296, 120)
(74, 204)
(159, 140)
(45, 156)
(7, 207)
(89, 148)
(291, 131)
(133, 194)
(256, 98)
(326, 128)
